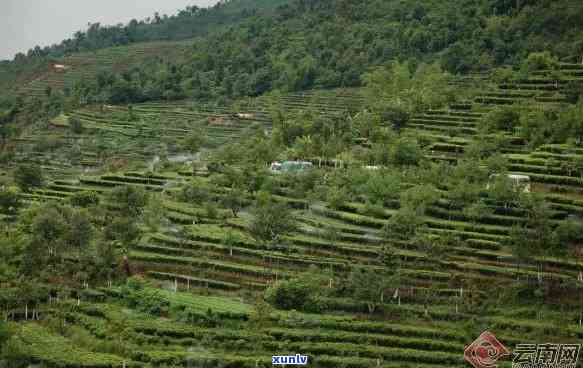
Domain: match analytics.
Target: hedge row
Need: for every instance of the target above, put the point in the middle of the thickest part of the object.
(219, 266)
(133, 180)
(179, 331)
(539, 169)
(553, 179)
(303, 335)
(194, 281)
(326, 223)
(378, 328)
(113, 184)
(202, 359)
(351, 218)
(367, 351)
(343, 249)
(468, 235)
(462, 226)
(39, 345)
(216, 234)
(452, 215)
(187, 249)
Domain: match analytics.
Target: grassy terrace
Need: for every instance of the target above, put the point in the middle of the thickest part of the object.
(355, 229)
(329, 340)
(163, 234)
(359, 240)
(209, 281)
(89, 64)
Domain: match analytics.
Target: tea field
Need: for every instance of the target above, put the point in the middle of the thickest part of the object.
(199, 273)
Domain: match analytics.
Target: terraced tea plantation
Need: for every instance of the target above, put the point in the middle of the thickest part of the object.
(64, 72)
(199, 275)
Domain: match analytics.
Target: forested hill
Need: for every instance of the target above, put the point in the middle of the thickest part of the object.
(331, 43)
(304, 44)
(187, 23)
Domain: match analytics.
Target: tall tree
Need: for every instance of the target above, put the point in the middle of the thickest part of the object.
(271, 220)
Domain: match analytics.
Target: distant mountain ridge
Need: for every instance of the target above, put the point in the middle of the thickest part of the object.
(187, 23)
(248, 47)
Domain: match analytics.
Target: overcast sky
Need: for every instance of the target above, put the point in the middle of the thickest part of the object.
(27, 23)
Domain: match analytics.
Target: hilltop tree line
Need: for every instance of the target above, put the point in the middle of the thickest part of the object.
(186, 23)
(324, 44)
(408, 27)
(189, 22)
(321, 43)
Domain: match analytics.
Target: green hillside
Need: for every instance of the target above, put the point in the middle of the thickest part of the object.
(143, 224)
(35, 67)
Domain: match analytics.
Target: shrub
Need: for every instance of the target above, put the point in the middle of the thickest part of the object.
(540, 61)
(289, 295)
(404, 225)
(503, 118)
(85, 199)
(373, 210)
(366, 285)
(80, 230)
(4, 334)
(210, 210)
(300, 293)
(48, 144)
(573, 92)
(419, 197)
(123, 229)
(9, 200)
(337, 197)
(196, 192)
(397, 116)
(130, 200)
(271, 220)
(195, 141)
(569, 124)
(497, 163)
(406, 151)
(503, 75)
(380, 188)
(6, 156)
(569, 232)
(28, 177)
(75, 125)
(145, 299)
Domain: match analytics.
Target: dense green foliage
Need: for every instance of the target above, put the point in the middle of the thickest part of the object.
(305, 293)
(329, 44)
(28, 176)
(187, 23)
(271, 220)
(155, 234)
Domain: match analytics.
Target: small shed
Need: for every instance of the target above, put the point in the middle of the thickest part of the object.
(290, 166)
